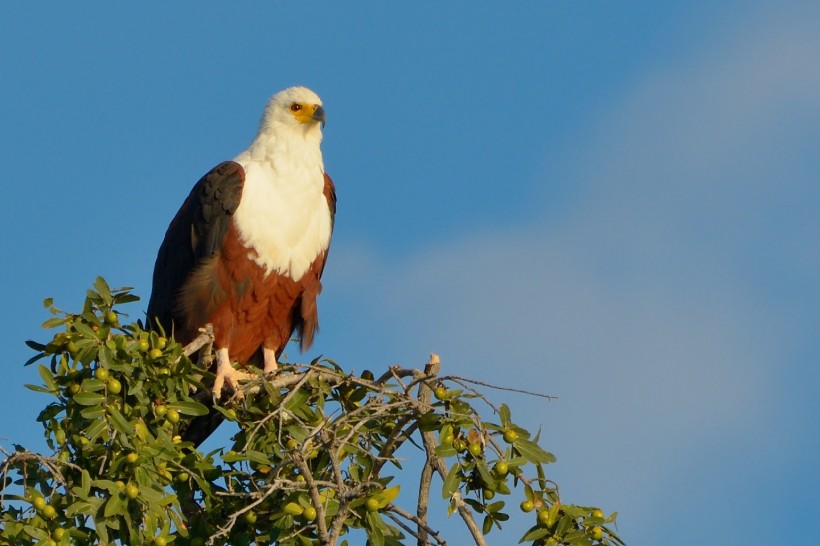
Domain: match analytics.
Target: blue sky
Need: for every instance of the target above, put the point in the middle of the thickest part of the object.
(616, 203)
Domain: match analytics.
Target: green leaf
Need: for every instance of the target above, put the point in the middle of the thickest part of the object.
(374, 529)
(533, 452)
(91, 384)
(34, 345)
(120, 422)
(486, 476)
(495, 507)
(79, 508)
(387, 496)
(85, 483)
(534, 534)
(504, 414)
(96, 428)
(189, 408)
(34, 359)
(47, 377)
(85, 330)
(53, 323)
(93, 412)
(257, 457)
(103, 290)
(37, 388)
(106, 357)
(445, 450)
(115, 506)
(487, 526)
(88, 398)
(452, 481)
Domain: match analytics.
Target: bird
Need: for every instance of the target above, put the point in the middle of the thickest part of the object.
(247, 248)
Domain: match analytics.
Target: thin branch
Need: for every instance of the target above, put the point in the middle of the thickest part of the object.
(460, 379)
(313, 490)
(424, 500)
(420, 523)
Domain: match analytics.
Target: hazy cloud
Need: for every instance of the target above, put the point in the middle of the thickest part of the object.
(644, 310)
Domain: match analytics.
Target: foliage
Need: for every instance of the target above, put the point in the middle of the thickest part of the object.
(314, 459)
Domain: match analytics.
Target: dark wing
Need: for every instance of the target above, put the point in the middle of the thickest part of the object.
(306, 314)
(195, 234)
(330, 195)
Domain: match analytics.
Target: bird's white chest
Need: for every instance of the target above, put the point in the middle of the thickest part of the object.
(283, 216)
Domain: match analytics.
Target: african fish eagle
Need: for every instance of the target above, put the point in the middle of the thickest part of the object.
(247, 248)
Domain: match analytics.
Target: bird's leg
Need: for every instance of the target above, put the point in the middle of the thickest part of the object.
(270, 360)
(226, 373)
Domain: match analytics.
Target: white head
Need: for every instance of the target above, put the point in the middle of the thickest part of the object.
(296, 109)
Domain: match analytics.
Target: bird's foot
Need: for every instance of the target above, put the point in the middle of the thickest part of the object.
(227, 375)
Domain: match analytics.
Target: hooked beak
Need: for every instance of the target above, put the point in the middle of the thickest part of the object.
(319, 115)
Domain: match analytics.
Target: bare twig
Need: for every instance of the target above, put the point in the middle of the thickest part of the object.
(463, 380)
(421, 524)
(424, 500)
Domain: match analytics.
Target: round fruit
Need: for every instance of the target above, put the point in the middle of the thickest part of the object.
(249, 517)
(160, 410)
(597, 513)
(51, 542)
(474, 449)
(120, 485)
(489, 494)
(132, 457)
(164, 371)
(58, 533)
(172, 416)
(501, 468)
(372, 504)
(114, 386)
(132, 491)
(39, 503)
(447, 439)
(101, 374)
(111, 318)
(597, 533)
(155, 353)
(510, 436)
(161, 342)
(74, 388)
(182, 477)
(440, 392)
(527, 506)
(460, 445)
(309, 514)
(49, 512)
(544, 517)
(143, 345)
(159, 541)
(72, 347)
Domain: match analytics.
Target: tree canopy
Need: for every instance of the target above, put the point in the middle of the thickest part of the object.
(315, 460)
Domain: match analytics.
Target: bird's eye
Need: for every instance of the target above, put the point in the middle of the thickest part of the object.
(295, 107)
